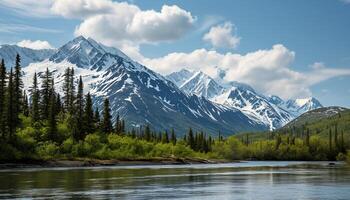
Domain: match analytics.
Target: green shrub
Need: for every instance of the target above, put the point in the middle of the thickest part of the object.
(79, 150)
(67, 146)
(47, 150)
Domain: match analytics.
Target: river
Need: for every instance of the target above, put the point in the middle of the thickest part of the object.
(246, 180)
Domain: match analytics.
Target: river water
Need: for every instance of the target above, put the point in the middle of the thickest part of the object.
(247, 180)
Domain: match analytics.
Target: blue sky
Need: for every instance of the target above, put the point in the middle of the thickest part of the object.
(312, 56)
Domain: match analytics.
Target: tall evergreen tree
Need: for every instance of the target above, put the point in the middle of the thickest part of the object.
(11, 118)
(89, 115)
(25, 107)
(69, 90)
(147, 133)
(79, 112)
(58, 104)
(97, 119)
(2, 98)
(52, 122)
(173, 137)
(190, 139)
(17, 90)
(165, 137)
(34, 90)
(106, 125)
(66, 89)
(46, 91)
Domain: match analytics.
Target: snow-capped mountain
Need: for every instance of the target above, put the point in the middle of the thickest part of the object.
(180, 77)
(137, 93)
(9, 52)
(300, 106)
(271, 111)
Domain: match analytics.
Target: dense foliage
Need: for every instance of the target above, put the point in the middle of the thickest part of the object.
(45, 126)
(51, 127)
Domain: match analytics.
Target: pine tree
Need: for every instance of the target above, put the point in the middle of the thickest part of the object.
(190, 139)
(89, 115)
(307, 139)
(52, 123)
(46, 94)
(11, 118)
(147, 133)
(18, 85)
(107, 126)
(2, 98)
(66, 89)
(69, 90)
(117, 125)
(25, 109)
(79, 112)
(165, 137)
(58, 104)
(97, 118)
(34, 111)
(173, 137)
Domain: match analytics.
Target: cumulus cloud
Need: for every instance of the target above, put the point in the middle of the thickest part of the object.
(268, 71)
(113, 23)
(121, 23)
(222, 36)
(37, 44)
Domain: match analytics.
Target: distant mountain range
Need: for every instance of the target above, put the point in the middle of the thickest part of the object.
(181, 100)
(272, 111)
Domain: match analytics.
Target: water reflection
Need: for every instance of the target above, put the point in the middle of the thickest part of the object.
(251, 180)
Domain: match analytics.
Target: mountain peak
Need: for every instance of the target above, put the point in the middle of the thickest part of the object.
(87, 53)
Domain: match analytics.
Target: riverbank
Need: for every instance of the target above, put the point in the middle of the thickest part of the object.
(96, 162)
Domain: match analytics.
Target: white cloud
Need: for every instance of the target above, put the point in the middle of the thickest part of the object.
(221, 36)
(121, 23)
(268, 71)
(38, 44)
(113, 23)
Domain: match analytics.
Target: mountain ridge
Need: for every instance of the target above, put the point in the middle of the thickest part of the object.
(138, 94)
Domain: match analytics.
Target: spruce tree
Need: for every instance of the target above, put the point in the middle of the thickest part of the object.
(11, 118)
(34, 90)
(79, 112)
(66, 89)
(147, 133)
(106, 125)
(58, 104)
(165, 137)
(97, 118)
(2, 98)
(190, 139)
(71, 91)
(25, 107)
(89, 115)
(46, 88)
(52, 123)
(173, 137)
(18, 85)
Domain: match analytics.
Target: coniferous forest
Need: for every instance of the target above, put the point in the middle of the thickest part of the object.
(41, 124)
